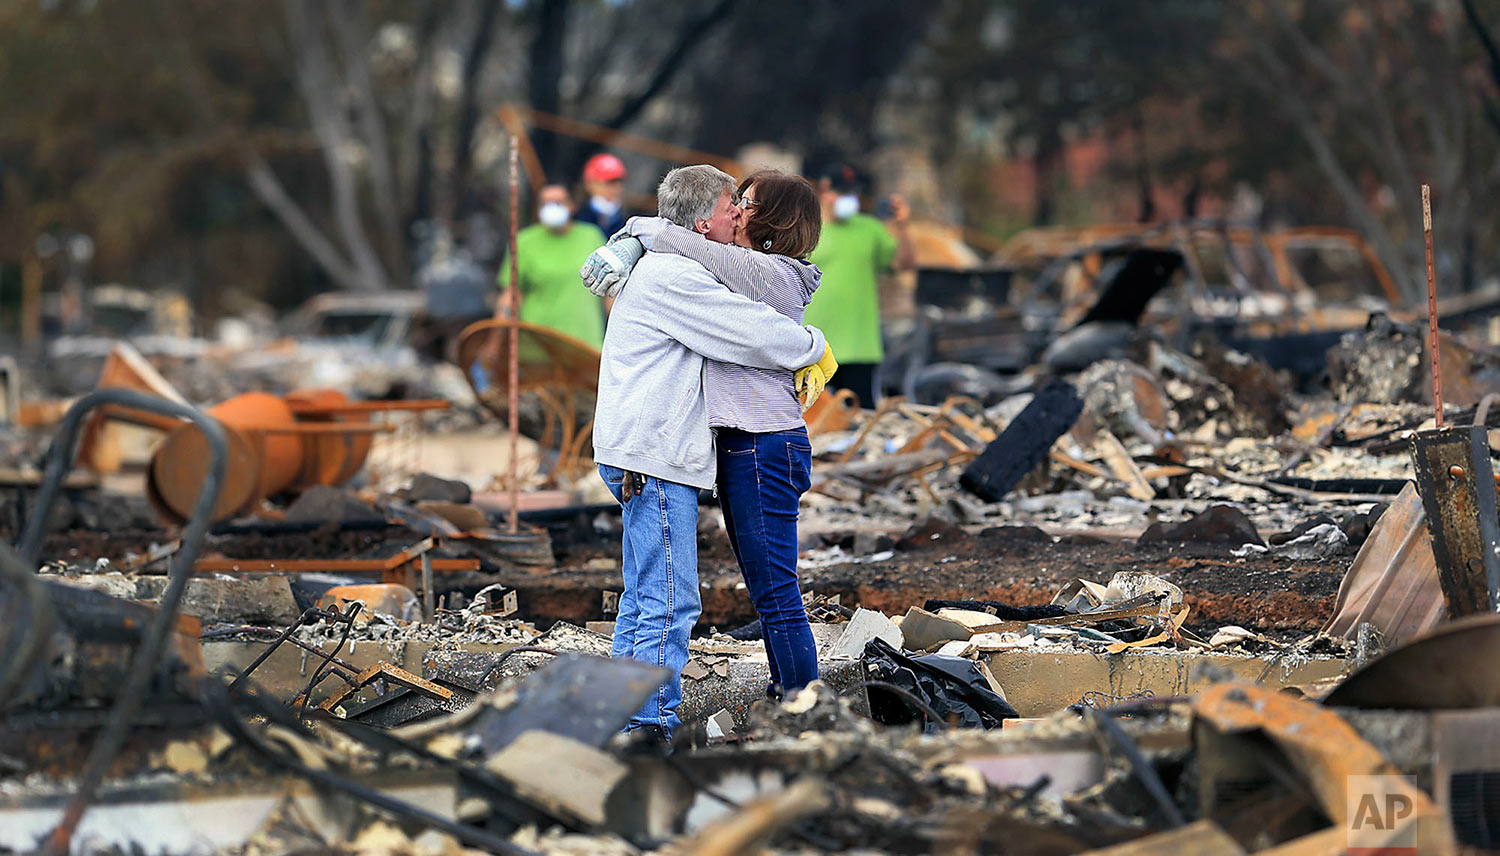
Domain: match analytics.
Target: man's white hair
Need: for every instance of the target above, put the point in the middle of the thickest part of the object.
(689, 193)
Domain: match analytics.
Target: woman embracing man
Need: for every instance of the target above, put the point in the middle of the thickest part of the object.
(758, 248)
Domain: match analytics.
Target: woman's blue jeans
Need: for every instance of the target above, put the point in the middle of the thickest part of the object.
(761, 479)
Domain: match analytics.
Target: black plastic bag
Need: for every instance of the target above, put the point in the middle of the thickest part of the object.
(953, 687)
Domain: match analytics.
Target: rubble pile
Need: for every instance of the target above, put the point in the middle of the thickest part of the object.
(1154, 602)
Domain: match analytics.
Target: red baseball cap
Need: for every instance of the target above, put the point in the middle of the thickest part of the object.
(603, 167)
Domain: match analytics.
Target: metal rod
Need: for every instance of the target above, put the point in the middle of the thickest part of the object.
(409, 405)
(1113, 735)
(1432, 318)
(427, 605)
(323, 669)
(332, 566)
(306, 616)
(143, 667)
(515, 332)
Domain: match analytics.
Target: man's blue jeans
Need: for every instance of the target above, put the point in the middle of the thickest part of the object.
(761, 479)
(660, 603)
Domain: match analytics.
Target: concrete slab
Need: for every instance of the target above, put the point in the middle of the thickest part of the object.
(1040, 682)
(866, 624)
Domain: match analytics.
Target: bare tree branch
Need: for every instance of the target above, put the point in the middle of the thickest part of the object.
(416, 152)
(258, 174)
(1486, 39)
(301, 227)
(468, 114)
(1275, 80)
(353, 35)
(688, 40)
(546, 73)
(316, 81)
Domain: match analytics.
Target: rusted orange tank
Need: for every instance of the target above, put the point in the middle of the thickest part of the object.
(265, 458)
(328, 459)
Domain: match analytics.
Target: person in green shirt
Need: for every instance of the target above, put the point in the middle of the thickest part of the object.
(852, 251)
(548, 256)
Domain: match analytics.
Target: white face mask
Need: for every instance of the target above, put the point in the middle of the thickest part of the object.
(845, 206)
(554, 215)
(604, 206)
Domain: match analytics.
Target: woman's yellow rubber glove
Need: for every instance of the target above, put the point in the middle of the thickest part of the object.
(811, 380)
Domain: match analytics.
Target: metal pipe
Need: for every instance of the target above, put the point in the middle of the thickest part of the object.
(322, 669)
(428, 607)
(302, 619)
(515, 342)
(143, 667)
(33, 616)
(1432, 324)
(907, 695)
(1113, 735)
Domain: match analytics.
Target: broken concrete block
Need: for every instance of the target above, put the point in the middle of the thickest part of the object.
(1091, 592)
(114, 585)
(576, 779)
(922, 630)
(957, 648)
(866, 624)
(1381, 364)
(265, 600)
(426, 488)
(695, 671)
(720, 725)
(969, 618)
(1220, 524)
(324, 504)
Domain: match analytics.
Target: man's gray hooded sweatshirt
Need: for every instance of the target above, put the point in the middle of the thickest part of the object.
(652, 416)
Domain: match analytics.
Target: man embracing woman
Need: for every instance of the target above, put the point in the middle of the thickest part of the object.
(703, 382)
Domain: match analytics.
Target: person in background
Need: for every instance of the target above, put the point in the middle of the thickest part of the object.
(604, 182)
(548, 254)
(852, 252)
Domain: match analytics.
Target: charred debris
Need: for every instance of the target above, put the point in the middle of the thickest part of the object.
(1149, 550)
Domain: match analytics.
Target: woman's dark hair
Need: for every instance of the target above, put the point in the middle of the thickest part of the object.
(787, 213)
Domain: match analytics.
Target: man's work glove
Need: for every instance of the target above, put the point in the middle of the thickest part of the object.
(811, 380)
(607, 268)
